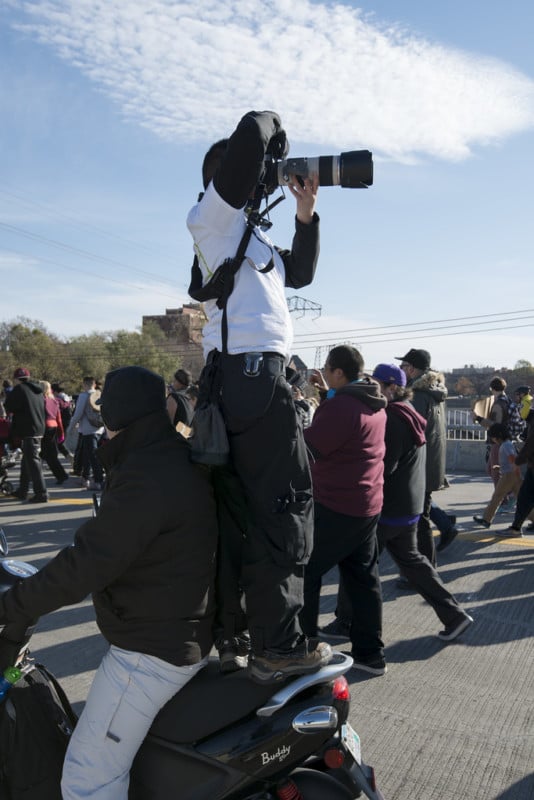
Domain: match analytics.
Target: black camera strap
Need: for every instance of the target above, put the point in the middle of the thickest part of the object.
(221, 284)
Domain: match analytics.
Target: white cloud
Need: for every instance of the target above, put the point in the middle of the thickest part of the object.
(187, 71)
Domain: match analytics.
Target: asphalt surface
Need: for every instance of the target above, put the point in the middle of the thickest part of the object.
(447, 722)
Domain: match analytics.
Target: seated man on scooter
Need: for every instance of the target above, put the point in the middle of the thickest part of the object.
(148, 558)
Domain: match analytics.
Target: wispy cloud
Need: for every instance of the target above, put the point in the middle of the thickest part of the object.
(339, 79)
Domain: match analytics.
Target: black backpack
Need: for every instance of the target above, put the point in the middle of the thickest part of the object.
(36, 721)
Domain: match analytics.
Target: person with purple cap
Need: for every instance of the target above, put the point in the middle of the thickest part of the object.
(404, 500)
(429, 395)
(26, 403)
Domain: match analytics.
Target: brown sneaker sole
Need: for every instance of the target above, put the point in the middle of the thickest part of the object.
(266, 670)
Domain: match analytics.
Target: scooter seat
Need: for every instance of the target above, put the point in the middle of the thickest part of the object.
(209, 703)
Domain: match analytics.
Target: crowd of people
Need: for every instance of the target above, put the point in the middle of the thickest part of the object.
(181, 557)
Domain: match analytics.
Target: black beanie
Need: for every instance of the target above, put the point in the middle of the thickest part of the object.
(130, 393)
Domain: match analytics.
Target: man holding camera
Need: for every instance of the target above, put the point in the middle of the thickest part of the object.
(247, 340)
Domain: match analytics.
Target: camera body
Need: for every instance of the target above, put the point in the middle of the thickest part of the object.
(351, 170)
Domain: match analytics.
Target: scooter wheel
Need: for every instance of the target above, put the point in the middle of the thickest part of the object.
(314, 785)
(7, 487)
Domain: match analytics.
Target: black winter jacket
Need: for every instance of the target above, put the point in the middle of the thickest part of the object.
(148, 556)
(429, 395)
(404, 462)
(26, 403)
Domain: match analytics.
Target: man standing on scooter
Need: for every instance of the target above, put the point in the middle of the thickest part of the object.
(148, 559)
(247, 343)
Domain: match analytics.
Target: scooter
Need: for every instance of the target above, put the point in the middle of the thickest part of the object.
(224, 737)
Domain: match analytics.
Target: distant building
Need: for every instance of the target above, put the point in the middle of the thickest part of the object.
(183, 330)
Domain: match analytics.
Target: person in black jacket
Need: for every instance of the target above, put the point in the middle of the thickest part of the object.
(148, 557)
(26, 403)
(404, 500)
(266, 444)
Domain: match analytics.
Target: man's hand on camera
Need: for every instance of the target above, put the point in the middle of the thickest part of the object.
(306, 196)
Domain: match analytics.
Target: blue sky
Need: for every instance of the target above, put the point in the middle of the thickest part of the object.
(108, 107)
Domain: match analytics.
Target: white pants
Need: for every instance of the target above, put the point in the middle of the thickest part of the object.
(127, 692)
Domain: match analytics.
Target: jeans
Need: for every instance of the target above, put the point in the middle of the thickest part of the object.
(127, 692)
(89, 460)
(525, 499)
(49, 453)
(31, 469)
(351, 543)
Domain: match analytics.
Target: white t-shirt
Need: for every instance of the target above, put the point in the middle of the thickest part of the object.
(258, 316)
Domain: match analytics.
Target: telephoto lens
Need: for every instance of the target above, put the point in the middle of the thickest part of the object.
(351, 170)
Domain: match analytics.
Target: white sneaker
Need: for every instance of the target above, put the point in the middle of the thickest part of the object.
(454, 630)
(84, 483)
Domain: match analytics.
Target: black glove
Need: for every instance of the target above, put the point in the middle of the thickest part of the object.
(9, 652)
(278, 146)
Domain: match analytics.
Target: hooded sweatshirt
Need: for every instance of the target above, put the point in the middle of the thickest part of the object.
(346, 442)
(404, 464)
(26, 403)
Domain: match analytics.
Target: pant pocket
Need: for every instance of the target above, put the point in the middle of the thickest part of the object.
(290, 532)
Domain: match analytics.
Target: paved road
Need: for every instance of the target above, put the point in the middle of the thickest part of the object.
(447, 722)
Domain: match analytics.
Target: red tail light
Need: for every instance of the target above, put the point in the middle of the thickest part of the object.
(340, 689)
(334, 758)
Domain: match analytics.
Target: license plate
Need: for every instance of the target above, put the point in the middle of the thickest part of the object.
(351, 740)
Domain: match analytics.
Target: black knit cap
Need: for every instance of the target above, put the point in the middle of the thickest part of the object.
(130, 393)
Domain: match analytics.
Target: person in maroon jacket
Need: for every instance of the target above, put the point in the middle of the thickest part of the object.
(346, 440)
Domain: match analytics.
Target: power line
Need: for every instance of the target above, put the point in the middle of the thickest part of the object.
(83, 225)
(92, 274)
(363, 331)
(312, 346)
(83, 253)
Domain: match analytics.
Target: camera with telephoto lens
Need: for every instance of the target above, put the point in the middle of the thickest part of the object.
(351, 170)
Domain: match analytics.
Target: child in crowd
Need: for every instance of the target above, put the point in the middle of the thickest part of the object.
(509, 476)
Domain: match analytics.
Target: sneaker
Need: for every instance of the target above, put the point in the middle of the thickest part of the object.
(302, 660)
(510, 533)
(84, 483)
(482, 521)
(338, 629)
(454, 630)
(38, 498)
(375, 665)
(234, 653)
(530, 527)
(447, 538)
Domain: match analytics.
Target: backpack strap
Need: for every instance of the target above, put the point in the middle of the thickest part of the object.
(65, 702)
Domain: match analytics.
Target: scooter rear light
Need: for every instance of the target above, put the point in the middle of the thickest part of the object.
(288, 791)
(340, 689)
(334, 758)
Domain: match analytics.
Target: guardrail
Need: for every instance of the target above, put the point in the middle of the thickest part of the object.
(460, 425)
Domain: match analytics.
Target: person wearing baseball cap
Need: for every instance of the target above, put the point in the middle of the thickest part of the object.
(429, 395)
(26, 403)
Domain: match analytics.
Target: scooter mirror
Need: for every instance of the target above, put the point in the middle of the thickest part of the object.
(4, 548)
